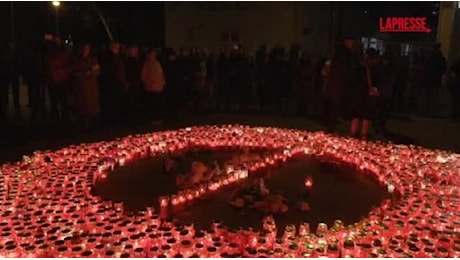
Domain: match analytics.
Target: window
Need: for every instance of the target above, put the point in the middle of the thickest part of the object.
(406, 49)
(365, 42)
(375, 43)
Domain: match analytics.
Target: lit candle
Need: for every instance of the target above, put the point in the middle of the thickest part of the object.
(164, 201)
(308, 182)
(390, 188)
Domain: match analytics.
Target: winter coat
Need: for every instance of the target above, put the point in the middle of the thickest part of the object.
(152, 76)
(386, 80)
(435, 67)
(133, 69)
(303, 80)
(86, 71)
(58, 65)
(338, 79)
(112, 79)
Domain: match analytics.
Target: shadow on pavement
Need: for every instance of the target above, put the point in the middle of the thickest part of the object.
(400, 138)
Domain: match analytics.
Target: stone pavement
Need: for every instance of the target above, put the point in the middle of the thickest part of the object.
(19, 139)
(432, 133)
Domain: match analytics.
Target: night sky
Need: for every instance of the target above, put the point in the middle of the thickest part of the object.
(143, 22)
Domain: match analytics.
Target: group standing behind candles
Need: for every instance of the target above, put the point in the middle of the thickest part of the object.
(129, 85)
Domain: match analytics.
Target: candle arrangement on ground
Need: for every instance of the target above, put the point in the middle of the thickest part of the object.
(256, 195)
(48, 209)
(339, 192)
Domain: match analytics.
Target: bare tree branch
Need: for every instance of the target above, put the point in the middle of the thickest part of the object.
(103, 20)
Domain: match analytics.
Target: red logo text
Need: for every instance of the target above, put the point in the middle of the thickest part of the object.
(403, 24)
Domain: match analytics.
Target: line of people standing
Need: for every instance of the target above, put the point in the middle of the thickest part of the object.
(101, 90)
(365, 87)
(130, 86)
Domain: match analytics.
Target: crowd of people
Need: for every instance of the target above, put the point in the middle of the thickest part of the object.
(131, 85)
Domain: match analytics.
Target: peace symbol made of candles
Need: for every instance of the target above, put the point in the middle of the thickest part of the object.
(48, 210)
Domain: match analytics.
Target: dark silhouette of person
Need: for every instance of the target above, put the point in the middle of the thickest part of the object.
(415, 83)
(362, 105)
(262, 76)
(188, 65)
(4, 82)
(434, 69)
(14, 62)
(386, 83)
(223, 84)
(112, 85)
(234, 62)
(195, 78)
(86, 71)
(210, 80)
(35, 77)
(454, 89)
(58, 68)
(400, 82)
(338, 80)
(303, 86)
(292, 62)
(278, 71)
(133, 68)
(175, 77)
(244, 72)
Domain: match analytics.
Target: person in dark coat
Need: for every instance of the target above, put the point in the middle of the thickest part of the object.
(113, 85)
(34, 73)
(4, 81)
(278, 71)
(292, 62)
(362, 93)
(188, 66)
(386, 83)
(244, 79)
(59, 66)
(211, 75)
(262, 76)
(223, 84)
(303, 85)
(400, 82)
(86, 71)
(415, 79)
(175, 77)
(234, 62)
(338, 80)
(454, 88)
(133, 68)
(13, 78)
(434, 69)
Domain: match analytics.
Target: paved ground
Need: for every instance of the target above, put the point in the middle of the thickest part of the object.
(19, 139)
(428, 132)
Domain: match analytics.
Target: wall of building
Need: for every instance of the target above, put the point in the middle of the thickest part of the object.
(455, 44)
(203, 24)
